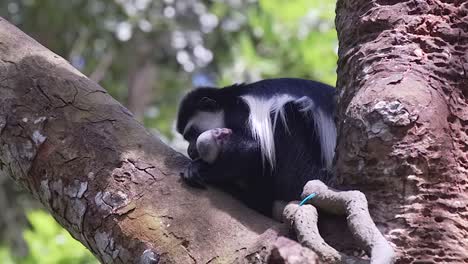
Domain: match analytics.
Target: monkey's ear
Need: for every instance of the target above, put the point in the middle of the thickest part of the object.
(208, 104)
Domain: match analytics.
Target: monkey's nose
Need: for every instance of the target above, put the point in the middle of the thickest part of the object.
(193, 152)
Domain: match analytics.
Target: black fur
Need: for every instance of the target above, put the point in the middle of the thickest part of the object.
(239, 168)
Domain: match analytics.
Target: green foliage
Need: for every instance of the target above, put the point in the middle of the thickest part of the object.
(286, 11)
(49, 243)
(285, 39)
(5, 256)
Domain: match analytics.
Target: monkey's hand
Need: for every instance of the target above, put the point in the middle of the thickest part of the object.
(353, 205)
(193, 174)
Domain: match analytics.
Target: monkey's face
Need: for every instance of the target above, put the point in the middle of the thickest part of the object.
(205, 133)
(209, 144)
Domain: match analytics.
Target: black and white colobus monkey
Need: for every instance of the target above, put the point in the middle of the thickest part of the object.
(261, 141)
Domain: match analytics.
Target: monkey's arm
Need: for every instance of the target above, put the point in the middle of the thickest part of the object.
(241, 155)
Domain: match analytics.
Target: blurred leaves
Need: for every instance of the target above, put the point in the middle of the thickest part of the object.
(284, 39)
(48, 243)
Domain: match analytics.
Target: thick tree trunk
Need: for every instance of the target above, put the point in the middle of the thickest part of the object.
(112, 184)
(403, 135)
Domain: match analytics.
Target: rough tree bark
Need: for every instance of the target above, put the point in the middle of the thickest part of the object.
(108, 181)
(403, 135)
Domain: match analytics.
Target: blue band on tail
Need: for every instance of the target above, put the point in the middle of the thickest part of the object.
(310, 196)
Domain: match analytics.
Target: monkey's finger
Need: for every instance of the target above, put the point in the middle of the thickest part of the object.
(193, 178)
